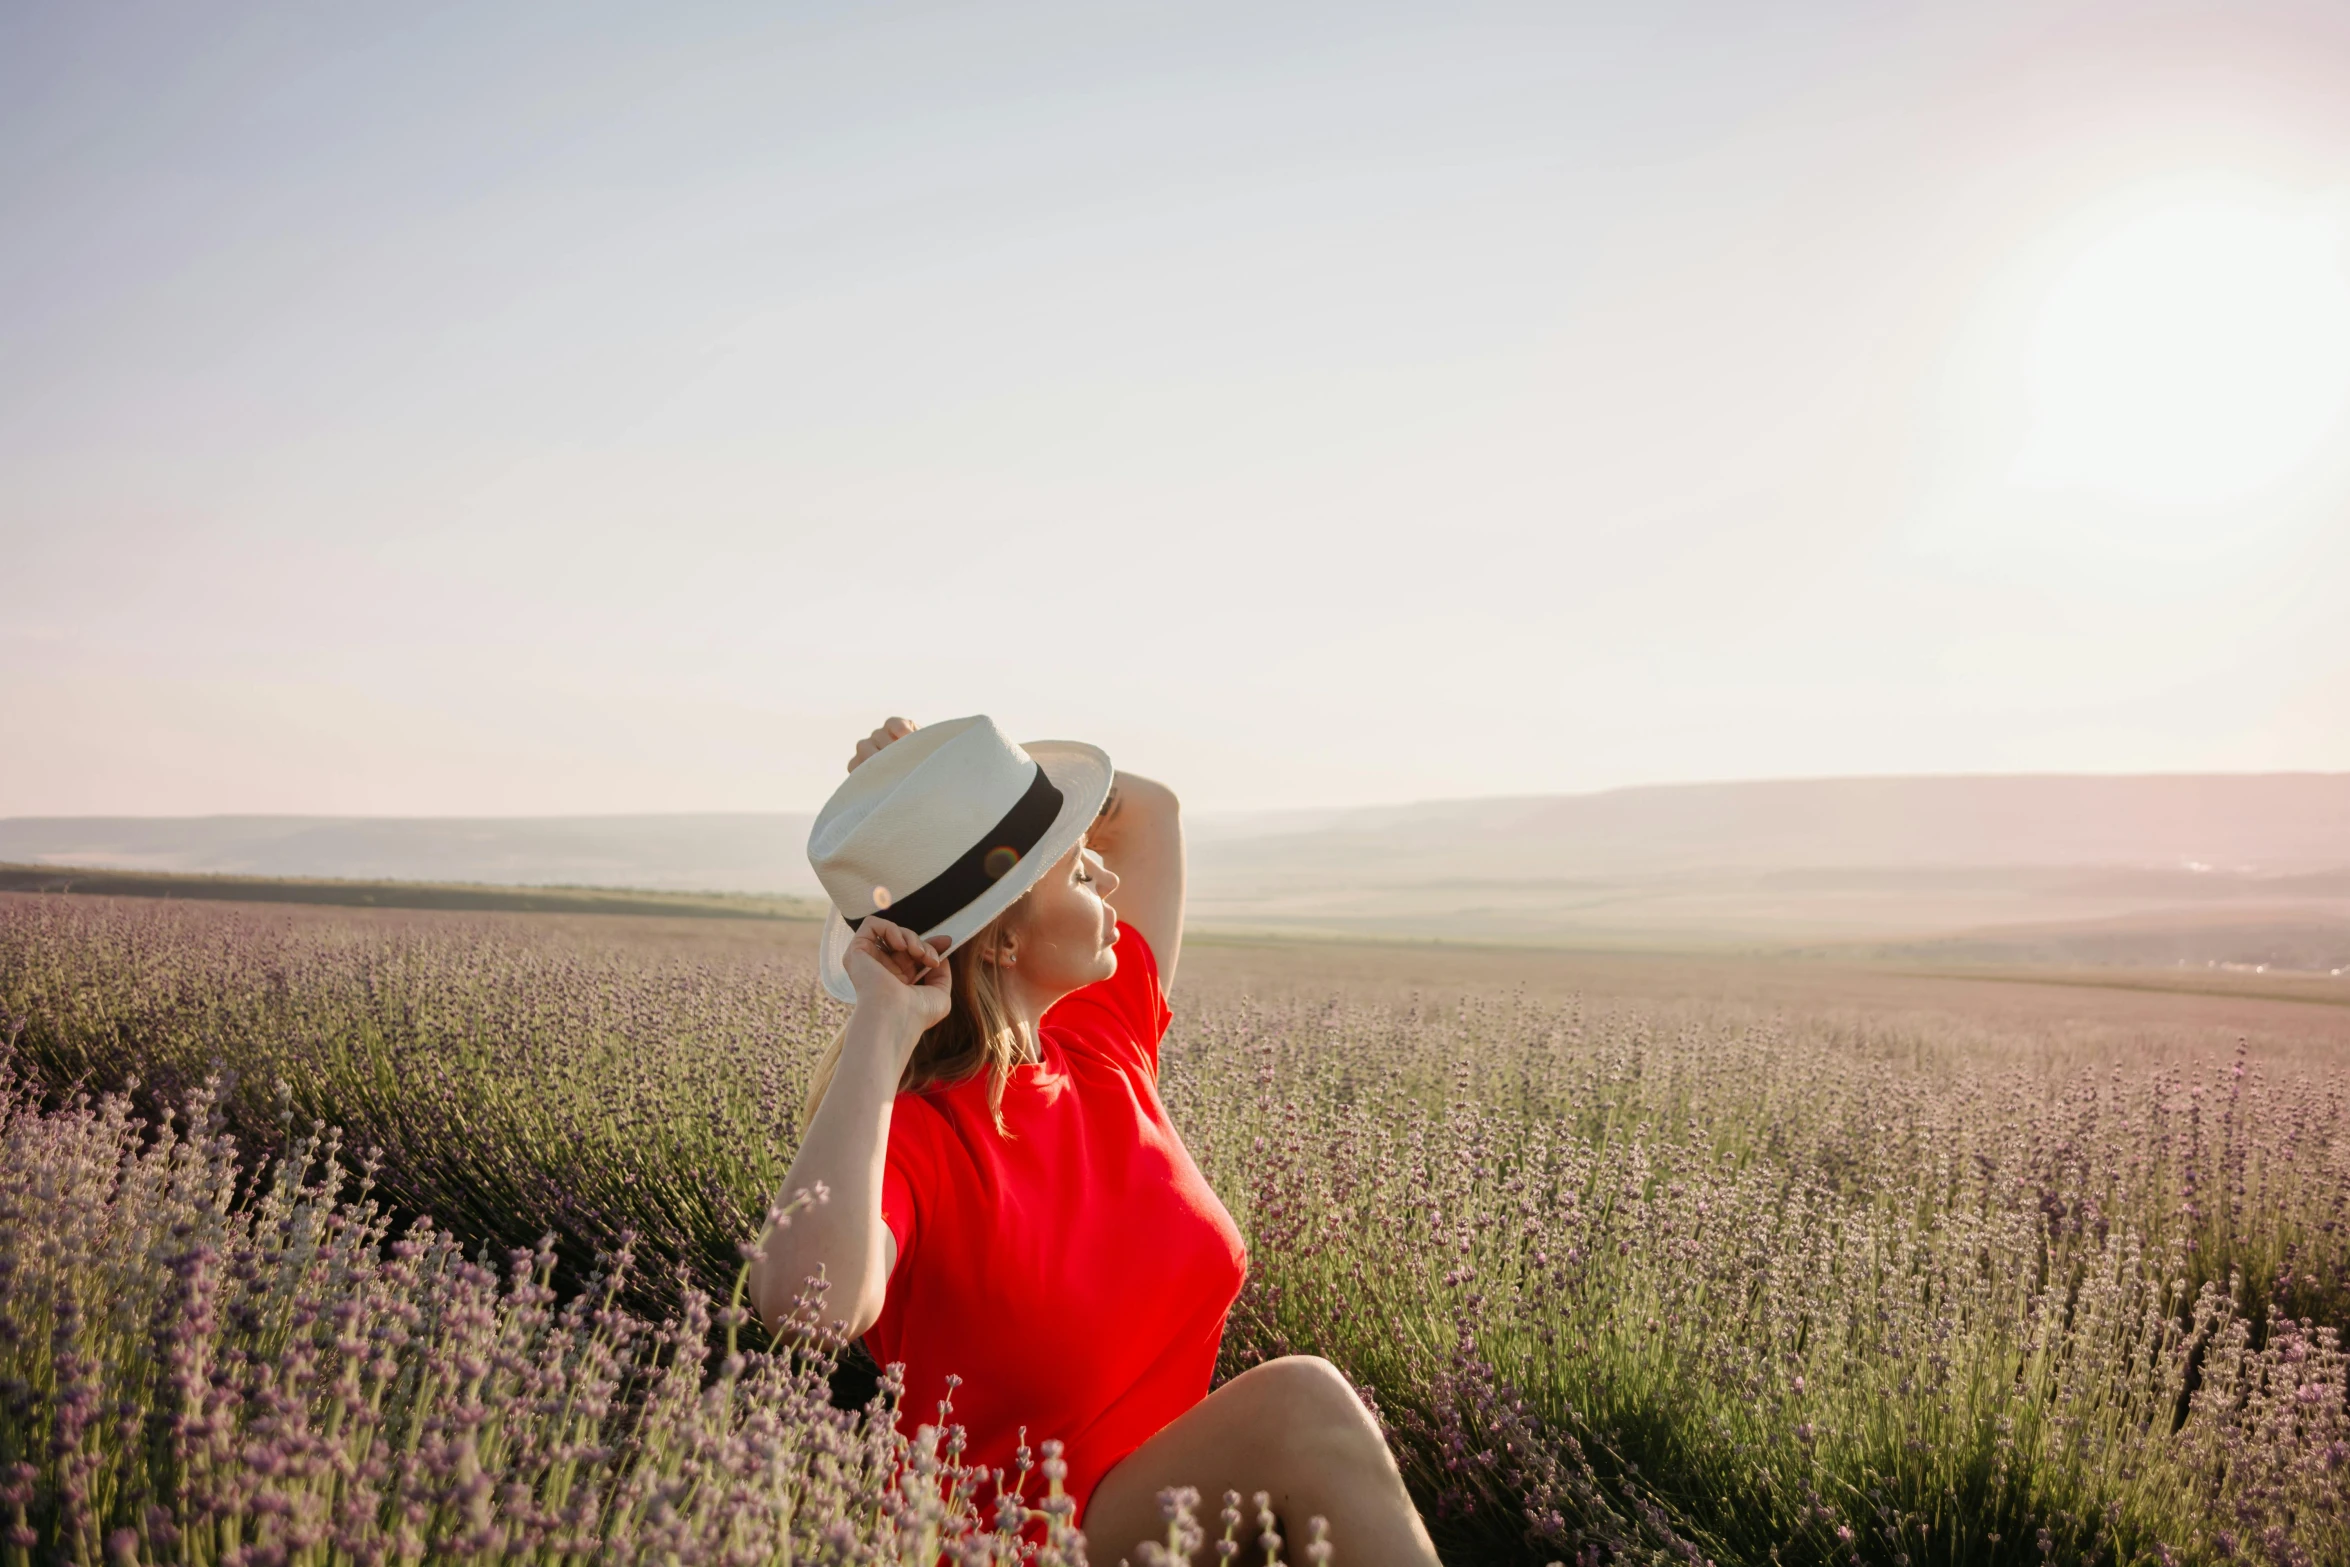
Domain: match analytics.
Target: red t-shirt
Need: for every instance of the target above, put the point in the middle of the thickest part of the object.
(1076, 1273)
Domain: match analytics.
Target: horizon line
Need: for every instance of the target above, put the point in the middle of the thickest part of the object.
(1213, 811)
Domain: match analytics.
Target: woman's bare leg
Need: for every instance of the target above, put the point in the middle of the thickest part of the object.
(1291, 1427)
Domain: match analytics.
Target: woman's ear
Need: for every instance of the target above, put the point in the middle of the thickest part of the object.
(1000, 941)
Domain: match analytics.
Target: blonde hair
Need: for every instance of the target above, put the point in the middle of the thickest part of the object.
(980, 1032)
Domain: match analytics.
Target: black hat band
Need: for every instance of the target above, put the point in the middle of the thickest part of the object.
(979, 867)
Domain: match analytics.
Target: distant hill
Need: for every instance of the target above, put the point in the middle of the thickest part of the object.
(455, 898)
(2175, 869)
(756, 853)
(2272, 822)
(2221, 868)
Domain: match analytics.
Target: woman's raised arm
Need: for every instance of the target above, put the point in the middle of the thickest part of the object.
(1140, 836)
(902, 988)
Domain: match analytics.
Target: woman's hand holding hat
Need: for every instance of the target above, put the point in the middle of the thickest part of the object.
(891, 966)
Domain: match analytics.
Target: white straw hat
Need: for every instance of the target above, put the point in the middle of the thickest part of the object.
(941, 830)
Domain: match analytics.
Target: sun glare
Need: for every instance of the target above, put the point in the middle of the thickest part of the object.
(2198, 354)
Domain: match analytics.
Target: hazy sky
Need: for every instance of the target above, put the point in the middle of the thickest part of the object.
(569, 408)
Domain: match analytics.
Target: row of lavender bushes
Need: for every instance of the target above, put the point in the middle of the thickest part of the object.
(222, 1343)
(202, 1362)
(513, 1087)
(1740, 1291)
(1801, 1303)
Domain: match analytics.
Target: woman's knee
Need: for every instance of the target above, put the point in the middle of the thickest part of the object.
(1310, 1401)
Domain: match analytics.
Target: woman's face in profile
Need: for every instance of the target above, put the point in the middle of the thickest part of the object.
(1068, 927)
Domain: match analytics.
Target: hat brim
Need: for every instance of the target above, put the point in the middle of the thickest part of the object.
(1083, 775)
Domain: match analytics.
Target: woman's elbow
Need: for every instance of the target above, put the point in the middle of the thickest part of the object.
(796, 1327)
(795, 1298)
(781, 1287)
(1148, 794)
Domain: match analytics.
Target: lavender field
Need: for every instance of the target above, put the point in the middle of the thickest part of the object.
(331, 1239)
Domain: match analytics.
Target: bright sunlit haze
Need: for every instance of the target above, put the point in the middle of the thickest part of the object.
(514, 410)
(2198, 353)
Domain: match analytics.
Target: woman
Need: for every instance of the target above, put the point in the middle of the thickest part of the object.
(1007, 1202)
